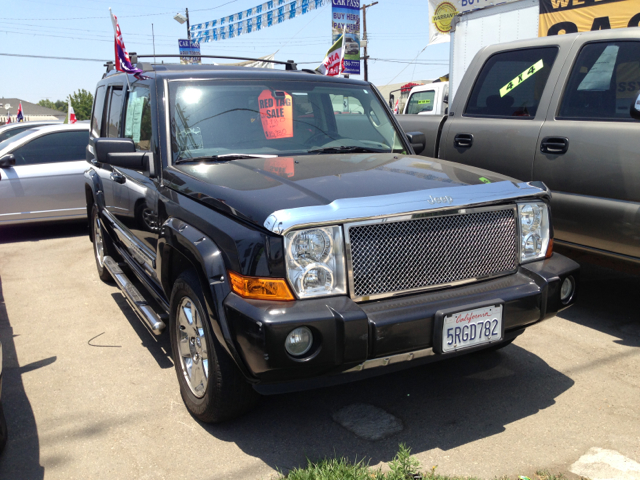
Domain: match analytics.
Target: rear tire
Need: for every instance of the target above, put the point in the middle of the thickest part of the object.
(212, 387)
(102, 245)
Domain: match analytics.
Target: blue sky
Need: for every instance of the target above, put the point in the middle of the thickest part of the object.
(398, 30)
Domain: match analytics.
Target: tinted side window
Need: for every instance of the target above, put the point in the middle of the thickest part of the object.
(137, 123)
(98, 110)
(510, 84)
(604, 82)
(55, 147)
(421, 102)
(115, 112)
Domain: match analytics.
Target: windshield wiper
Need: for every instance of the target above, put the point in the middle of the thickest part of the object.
(347, 149)
(221, 158)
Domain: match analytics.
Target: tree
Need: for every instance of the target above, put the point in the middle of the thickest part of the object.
(59, 105)
(82, 101)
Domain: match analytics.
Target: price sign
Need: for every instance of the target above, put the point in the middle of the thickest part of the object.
(276, 113)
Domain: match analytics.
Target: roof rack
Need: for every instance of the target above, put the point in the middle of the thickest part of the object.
(289, 64)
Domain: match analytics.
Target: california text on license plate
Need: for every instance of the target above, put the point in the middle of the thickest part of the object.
(471, 328)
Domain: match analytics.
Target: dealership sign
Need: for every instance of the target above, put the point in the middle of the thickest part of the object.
(571, 16)
(345, 17)
(442, 13)
(189, 51)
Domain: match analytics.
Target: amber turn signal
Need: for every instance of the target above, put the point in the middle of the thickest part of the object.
(261, 288)
(549, 249)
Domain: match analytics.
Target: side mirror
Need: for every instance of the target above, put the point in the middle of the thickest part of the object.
(417, 141)
(105, 146)
(634, 111)
(7, 161)
(120, 152)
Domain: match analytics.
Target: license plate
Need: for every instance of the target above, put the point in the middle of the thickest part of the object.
(472, 328)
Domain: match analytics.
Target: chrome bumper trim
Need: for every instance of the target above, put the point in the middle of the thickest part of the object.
(391, 360)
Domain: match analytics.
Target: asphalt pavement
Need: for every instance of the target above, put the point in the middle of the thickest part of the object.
(89, 393)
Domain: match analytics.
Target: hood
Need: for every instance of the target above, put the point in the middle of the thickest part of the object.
(255, 188)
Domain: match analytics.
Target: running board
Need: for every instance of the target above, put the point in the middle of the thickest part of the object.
(134, 297)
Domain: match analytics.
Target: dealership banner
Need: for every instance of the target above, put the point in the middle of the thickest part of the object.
(571, 16)
(345, 15)
(189, 51)
(442, 12)
(265, 15)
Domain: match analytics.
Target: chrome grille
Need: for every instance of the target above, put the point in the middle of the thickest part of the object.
(400, 256)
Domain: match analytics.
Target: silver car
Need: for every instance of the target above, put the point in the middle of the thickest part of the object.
(41, 174)
(10, 130)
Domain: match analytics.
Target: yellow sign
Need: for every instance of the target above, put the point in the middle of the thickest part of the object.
(628, 80)
(536, 67)
(423, 102)
(443, 15)
(571, 16)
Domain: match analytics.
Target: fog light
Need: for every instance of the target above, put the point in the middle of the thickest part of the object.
(299, 341)
(567, 289)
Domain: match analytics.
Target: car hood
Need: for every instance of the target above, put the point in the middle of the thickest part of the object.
(255, 188)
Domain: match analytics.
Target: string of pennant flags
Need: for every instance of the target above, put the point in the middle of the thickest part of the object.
(254, 19)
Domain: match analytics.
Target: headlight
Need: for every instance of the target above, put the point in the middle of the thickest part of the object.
(534, 230)
(315, 261)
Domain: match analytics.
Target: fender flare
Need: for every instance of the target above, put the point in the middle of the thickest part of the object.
(208, 262)
(93, 181)
(94, 194)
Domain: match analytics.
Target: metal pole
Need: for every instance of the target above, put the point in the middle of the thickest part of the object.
(153, 35)
(188, 28)
(364, 37)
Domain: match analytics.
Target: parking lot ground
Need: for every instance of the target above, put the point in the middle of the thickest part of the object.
(89, 393)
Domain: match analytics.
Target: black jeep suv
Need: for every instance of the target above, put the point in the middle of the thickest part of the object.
(283, 230)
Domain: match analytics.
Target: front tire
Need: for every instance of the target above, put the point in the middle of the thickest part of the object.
(102, 246)
(212, 388)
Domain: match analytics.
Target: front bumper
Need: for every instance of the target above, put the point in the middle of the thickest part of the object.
(352, 337)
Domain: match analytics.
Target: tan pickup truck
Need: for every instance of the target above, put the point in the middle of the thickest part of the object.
(561, 110)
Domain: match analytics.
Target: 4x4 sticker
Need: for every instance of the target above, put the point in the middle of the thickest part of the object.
(276, 114)
(536, 67)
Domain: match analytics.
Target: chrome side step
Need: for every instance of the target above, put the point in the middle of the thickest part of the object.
(134, 297)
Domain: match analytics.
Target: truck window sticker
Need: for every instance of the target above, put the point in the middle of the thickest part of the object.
(533, 69)
(424, 102)
(276, 113)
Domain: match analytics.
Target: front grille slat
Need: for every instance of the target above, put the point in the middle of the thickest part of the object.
(398, 256)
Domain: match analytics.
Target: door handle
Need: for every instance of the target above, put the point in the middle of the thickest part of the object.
(117, 177)
(554, 145)
(463, 140)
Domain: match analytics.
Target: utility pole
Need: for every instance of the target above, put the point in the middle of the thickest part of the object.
(153, 35)
(364, 37)
(188, 28)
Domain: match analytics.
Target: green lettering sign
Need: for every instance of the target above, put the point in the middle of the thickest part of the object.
(536, 67)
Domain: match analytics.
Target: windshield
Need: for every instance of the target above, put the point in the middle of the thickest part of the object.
(212, 118)
(421, 102)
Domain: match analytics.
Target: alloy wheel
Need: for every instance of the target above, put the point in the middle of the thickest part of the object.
(192, 347)
(98, 242)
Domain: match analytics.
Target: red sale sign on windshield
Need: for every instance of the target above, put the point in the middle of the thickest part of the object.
(276, 113)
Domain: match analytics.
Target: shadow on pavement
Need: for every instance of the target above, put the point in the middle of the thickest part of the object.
(21, 457)
(442, 405)
(607, 302)
(40, 231)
